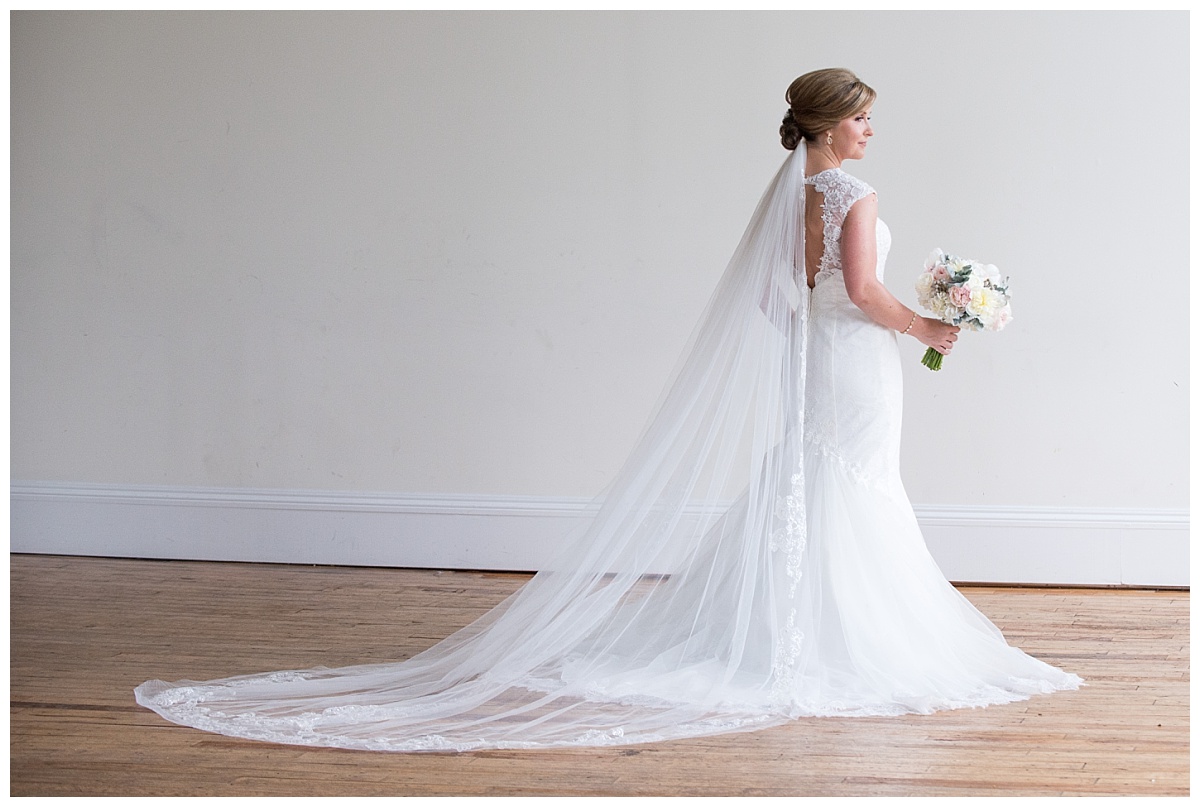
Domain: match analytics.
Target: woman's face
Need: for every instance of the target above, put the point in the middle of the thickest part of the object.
(851, 134)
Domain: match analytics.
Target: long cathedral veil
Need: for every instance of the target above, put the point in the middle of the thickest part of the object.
(669, 614)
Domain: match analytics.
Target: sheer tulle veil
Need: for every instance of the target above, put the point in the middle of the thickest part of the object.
(670, 613)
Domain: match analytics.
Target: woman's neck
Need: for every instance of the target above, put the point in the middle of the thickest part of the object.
(821, 158)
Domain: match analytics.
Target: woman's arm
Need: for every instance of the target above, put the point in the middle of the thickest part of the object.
(865, 290)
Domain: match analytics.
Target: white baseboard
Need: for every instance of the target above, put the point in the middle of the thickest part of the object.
(1031, 545)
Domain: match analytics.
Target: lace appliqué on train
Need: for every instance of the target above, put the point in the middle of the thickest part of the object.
(792, 534)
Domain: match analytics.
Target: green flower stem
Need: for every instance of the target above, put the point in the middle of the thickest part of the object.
(932, 359)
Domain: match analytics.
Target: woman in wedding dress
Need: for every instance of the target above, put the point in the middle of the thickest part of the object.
(756, 560)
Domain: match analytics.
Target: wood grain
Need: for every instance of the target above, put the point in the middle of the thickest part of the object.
(86, 631)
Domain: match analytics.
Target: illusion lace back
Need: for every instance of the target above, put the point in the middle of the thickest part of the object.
(755, 560)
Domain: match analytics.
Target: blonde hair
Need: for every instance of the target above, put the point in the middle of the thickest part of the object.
(819, 100)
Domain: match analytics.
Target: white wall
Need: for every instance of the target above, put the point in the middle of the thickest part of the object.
(457, 253)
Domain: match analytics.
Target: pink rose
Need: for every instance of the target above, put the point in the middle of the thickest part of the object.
(960, 296)
(941, 273)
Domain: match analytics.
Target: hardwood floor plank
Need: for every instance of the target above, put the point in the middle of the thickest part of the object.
(85, 631)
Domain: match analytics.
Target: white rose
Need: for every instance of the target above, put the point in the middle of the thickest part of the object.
(934, 259)
(989, 272)
(925, 284)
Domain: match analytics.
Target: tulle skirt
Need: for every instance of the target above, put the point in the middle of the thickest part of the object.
(885, 633)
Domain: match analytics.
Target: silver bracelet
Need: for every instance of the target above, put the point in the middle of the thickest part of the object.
(910, 323)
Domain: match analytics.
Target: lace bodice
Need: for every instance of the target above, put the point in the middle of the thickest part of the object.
(840, 192)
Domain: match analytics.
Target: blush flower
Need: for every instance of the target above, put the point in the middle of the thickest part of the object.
(960, 296)
(1002, 318)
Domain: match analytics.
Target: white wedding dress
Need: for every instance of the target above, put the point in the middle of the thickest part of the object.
(756, 560)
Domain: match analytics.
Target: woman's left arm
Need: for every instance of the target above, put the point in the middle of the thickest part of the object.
(858, 268)
(871, 296)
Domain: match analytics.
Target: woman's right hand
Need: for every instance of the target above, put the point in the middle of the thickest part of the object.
(936, 334)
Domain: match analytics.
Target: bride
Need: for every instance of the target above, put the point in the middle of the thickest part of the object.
(756, 559)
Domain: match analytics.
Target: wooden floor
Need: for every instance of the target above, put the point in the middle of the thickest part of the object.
(86, 631)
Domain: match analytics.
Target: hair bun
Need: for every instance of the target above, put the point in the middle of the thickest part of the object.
(790, 133)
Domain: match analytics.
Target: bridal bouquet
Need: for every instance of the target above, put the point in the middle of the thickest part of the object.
(962, 292)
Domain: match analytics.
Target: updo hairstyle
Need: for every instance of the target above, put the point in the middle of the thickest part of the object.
(819, 100)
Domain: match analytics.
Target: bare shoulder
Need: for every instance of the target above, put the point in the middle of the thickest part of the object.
(865, 210)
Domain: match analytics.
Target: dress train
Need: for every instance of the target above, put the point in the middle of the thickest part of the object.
(672, 613)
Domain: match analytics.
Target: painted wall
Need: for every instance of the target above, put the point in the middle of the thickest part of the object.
(457, 253)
